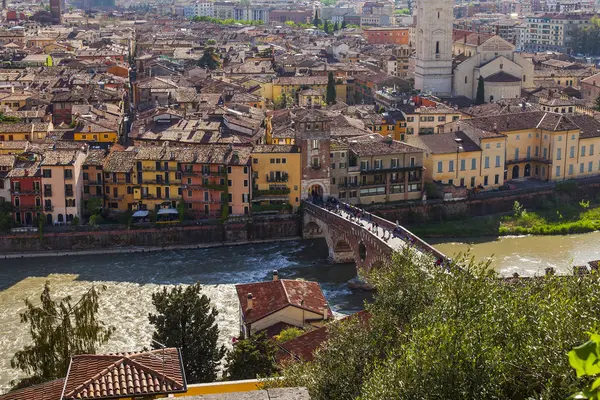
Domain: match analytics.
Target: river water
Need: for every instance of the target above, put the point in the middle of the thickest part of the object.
(130, 280)
(528, 255)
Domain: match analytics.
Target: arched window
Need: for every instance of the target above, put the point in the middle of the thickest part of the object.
(38, 202)
(17, 202)
(437, 47)
(60, 218)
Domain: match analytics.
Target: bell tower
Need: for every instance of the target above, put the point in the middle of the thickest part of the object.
(433, 64)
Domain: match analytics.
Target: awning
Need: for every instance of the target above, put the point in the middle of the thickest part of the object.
(164, 211)
(141, 213)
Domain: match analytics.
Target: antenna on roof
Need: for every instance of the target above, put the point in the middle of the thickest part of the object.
(163, 347)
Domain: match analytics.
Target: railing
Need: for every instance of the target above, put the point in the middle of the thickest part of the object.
(48, 208)
(271, 192)
(47, 193)
(26, 191)
(283, 178)
(68, 193)
(383, 223)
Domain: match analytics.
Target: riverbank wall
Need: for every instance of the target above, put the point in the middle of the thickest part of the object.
(493, 203)
(81, 240)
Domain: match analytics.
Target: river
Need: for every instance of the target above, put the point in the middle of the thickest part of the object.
(130, 280)
(527, 255)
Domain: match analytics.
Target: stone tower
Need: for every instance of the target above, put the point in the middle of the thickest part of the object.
(433, 64)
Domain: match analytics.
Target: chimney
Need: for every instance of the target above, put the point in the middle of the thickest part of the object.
(275, 275)
(250, 302)
(325, 312)
(12, 89)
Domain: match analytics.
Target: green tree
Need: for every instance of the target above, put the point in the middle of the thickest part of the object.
(209, 59)
(6, 220)
(316, 20)
(597, 103)
(185, 319)
(288, 334)
(336, 26)
(8, 119)
(93, 206)
(326, 26)
(59, 330)
(344, 24)
(330, 94)
(480, 96)
(181, 210)
(462, 335)
(251, 358)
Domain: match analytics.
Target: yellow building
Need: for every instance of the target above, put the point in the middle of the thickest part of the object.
(120, 179)
(92, 131)
(276, 176)
(158, 178)
(454, 158)
(426, 120)
(34, 132)
(276, 133)
(292, 85)
(14, 101)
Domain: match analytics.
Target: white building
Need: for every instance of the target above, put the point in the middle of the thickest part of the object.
(433, 63)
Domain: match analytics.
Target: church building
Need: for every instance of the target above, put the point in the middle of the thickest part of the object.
(450, 62)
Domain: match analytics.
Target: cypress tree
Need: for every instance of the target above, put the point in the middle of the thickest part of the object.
(480, 97)
(330, 94)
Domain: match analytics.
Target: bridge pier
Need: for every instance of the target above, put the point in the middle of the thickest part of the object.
(341, 253)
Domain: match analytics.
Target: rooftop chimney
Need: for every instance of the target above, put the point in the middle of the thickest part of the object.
(250, 302)
(325, 312)
(275, 275)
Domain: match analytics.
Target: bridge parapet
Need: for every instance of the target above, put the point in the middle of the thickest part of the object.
(349, 235)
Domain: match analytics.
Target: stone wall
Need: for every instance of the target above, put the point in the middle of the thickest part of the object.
(257, 228)
(438, 210)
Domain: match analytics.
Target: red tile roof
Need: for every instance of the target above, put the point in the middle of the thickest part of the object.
(125, 375)
(44, 391)
(272, 296)
(304, 346)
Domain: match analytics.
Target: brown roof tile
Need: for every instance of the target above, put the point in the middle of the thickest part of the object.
(272, 296)
(44, 391)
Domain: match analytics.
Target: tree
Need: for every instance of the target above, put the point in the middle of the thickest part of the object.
(59, 330)
(251, 358)
(316, 19)
(209, 59)
(480, 96)
(344, 24)
(185, 319)
(597, 103)
(336, 26)
(8, 120)
(288, 334)
(93, 206)
(6, 220)
(326, 26)
(330, 93)
(283, 101)
(467, 334)
(181, 210)
(585, 360)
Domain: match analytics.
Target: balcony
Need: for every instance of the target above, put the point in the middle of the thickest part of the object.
(24, 192)
(316, 166)
(49, 208)
(528, 159)
(47, 193)
(348, 185)
(69, 193)
(28, 208)
(271, 192)
(282, 178)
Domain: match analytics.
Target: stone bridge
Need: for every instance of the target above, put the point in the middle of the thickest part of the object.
(350, 240)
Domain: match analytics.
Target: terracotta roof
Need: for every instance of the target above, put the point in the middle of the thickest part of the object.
(375, 144)
(273, 296)
(95, 157)
(44, 391)
(59, 157)
(119, 161)
(125, 375)
(590, 127)
(472, 38)
(446, 143)
(502, 77)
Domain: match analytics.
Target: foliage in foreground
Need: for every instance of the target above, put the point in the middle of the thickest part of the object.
(186, 320)
(585, 359)
(251, 358)
(59, 330)
(461, 336)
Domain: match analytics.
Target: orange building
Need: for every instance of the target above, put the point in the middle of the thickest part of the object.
(387, 35)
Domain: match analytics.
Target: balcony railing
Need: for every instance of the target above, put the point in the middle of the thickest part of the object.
(315, 166)
(47, 193)
(282, 178)
(24, 191)
(348, 185)
(68, 193)
(272, 192)
(49, 208)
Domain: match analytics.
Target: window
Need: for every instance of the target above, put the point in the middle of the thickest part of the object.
(582, 151)
(451, 166)
(442, 118)
(570, 169)
(315, 144)
(245, 183)
(486, 162)
(591, 149)
(378, 164)
(283, 161)
(590, 166)
(440, 166)
(497, 161)
(412, 161)
(229, 182)
(485, 180)
(518, 137)
(558, 153)
(472, 181)
(272, 161)
(572, 152)
(498, 145)
(47, 173)
(496, 179)
(557, 170)
(473, 164)
(437, 47)
(255, 161)
(560, 138)
(463, 165)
